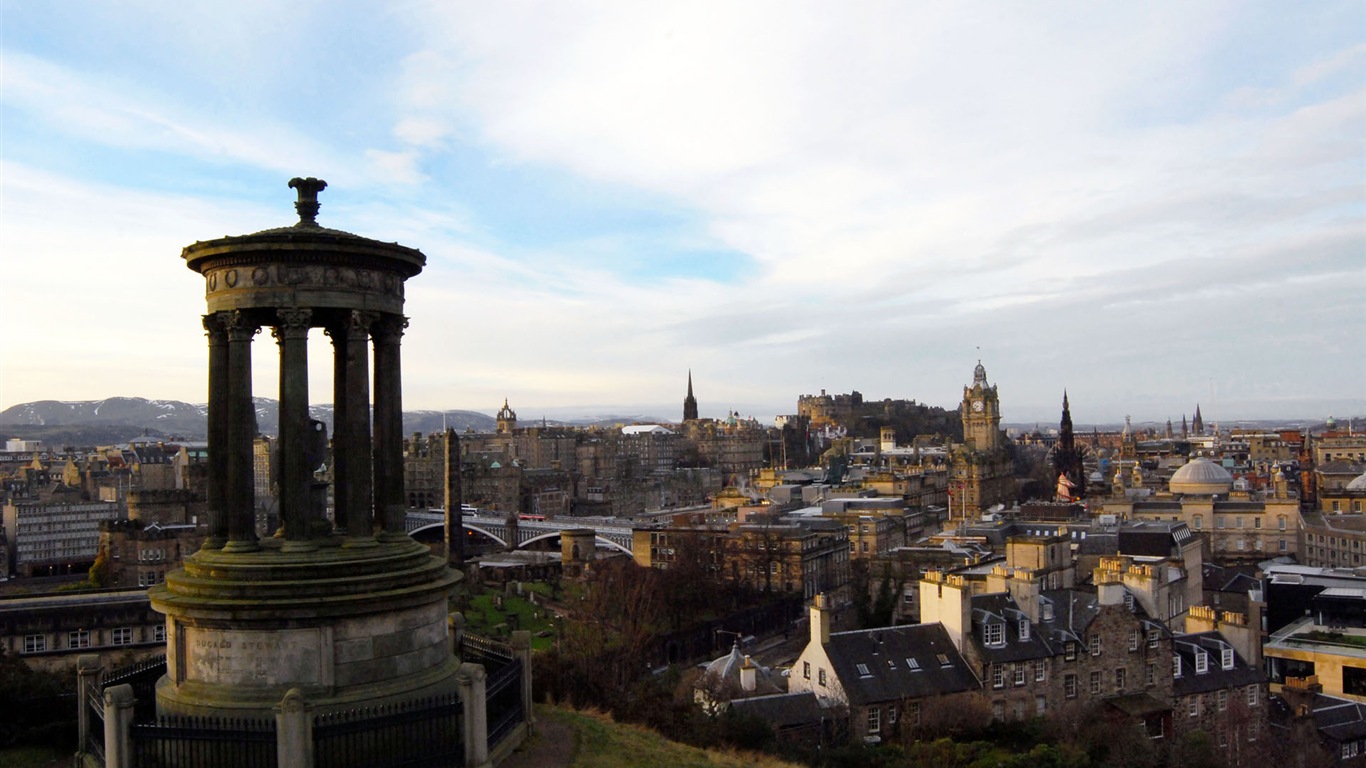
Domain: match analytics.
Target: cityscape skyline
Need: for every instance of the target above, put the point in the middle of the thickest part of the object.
(1150, 207)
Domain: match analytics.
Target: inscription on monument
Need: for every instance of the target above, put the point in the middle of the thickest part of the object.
(254, 657)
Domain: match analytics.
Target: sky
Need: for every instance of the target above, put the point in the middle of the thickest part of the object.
(1148, 205)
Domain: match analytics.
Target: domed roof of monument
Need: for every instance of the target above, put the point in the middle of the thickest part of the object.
(1201, 476)
(307, 237)
(1358, 483)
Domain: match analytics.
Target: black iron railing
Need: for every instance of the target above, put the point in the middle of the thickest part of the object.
(504, 697)
(204, 742)
(418, 734)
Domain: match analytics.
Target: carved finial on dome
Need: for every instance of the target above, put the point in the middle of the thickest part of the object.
(307, 206)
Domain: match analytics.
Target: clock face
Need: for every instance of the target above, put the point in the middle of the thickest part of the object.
(978, 405)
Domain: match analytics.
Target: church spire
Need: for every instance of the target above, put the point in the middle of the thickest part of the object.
(690, 402)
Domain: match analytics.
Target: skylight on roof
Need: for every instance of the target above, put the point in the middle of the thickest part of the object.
(863, 670)
(913, 665)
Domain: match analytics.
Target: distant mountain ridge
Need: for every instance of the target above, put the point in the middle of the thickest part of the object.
(129, 417)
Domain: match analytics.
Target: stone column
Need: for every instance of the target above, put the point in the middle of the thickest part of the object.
(389, 501)
(473, 695)
(118, 716)
(291, 333)
(521, 648)
(294, 731)
(216, 329)
(87, 678)
(454, 501)
(351, 432)
(240, 491)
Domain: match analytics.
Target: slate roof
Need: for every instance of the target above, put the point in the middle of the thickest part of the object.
(1152, 539)
(782, 710)
(1000, 608)
(1073, 612)
(1338, 719)
(1216, 677)
(891, 663)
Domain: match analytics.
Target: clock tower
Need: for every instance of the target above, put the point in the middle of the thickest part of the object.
(981, 412)
(981, 468)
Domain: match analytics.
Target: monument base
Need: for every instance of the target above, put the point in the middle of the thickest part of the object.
(347, 626)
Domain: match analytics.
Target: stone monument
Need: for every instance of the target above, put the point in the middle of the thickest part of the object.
(349, 613)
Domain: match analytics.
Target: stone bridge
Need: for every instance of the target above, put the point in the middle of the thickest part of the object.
(495, 527)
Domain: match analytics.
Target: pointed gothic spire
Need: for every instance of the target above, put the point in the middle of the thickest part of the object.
(690, 402)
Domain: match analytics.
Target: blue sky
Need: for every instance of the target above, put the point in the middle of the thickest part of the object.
(1152, 205)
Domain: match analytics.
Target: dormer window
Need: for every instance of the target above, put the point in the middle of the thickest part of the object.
(1176, 666)
(1226, 658)
(1024, 629)
(1201, 662)
(1047, 611)
(993, 634)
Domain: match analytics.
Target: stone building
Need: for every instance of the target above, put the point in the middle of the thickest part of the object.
(981, 473)
(887, 680)
(1237, 522)
(1220, 693)
(54, 531)
(50, 631)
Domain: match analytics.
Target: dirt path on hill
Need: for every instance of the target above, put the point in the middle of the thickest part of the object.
(553, 745)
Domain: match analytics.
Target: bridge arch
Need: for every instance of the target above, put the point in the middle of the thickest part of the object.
(556, 535)
(442, 527)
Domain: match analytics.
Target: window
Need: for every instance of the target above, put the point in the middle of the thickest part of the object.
(1252, 695)
(122, 636)
(1070, 651)
(1095, 645)
(874, 719)
(159, 633)
(998, 676)
(1198, 522)
(913, 665)
(35, 643)
(1020, 674)
(820, 674)
(1226, 658)
(1133, 639)
(1152, 676)
(1024, 629)
(994, 634)
(944, 660)
(1121, 678)
(78, 638)
(806, 670)
(1201, 662)
(1256, 522)
(891, 714)
(863, 670)
(1095, 682)
(1349, 749)
(1069, 686)
(1154, 635)
(1253, 729)
(913, 712)
(1040, 671)
(1223, 700)
(998, 710)
(1280, 522)
(1193, 707)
